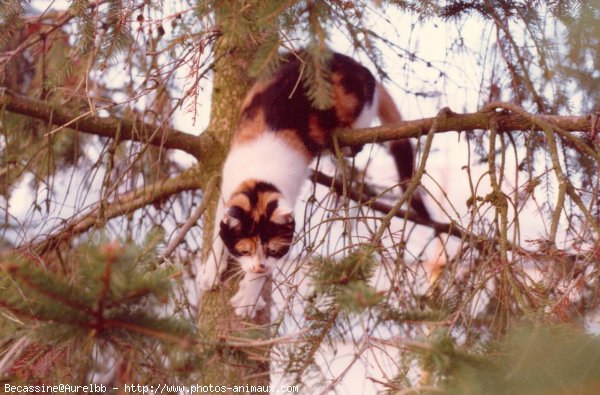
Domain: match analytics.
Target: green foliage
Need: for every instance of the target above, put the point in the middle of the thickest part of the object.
(317, 79)
(358, 296)
(529, 360)
(340, 289)
(273, 25)
(582, 59)
(60, 74)
(267, 58)
(105, 301)
(86, 32)
(342, 295)
(71, 313)
(27, 150)
(425, 8)
(11, 19)
(203, 8)
(317, 76)
(346, 280)
(54, 76)
(118, 37)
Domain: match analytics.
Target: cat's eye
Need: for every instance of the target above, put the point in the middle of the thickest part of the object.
(244, 252)
(272, 252)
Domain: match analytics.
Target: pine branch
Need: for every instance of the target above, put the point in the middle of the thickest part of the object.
(59, 20)
(370, 200)
(150, 332)
(453, 122)
(125, 204)
(89, 123)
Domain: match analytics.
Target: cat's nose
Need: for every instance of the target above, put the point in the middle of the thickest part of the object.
(260, 268)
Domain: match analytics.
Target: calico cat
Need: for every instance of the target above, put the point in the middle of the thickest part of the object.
(278, 136)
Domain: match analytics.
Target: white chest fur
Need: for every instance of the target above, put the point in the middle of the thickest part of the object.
(267, 158)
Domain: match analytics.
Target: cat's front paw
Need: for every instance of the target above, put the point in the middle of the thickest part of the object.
(247, 304)
(207, 280)
(208, 275)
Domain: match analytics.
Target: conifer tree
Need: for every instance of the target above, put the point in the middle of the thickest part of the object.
(96, 275)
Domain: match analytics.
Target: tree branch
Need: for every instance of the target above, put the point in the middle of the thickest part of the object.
(370, 200)
(103, 126)
(211, 187)
(124, 204)
(464, 122)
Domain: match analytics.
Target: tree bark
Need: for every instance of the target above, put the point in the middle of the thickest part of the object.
(216, 321)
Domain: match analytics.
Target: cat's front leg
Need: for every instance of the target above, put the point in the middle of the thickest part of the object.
(210, 271)
(247, 301)
(212, 268)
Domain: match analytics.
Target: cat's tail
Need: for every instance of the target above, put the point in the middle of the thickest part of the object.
(402, 150)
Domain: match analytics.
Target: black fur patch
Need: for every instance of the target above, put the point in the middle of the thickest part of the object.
(260, 187)
(287, 106)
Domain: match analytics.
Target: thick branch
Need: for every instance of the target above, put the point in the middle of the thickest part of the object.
(463, 122)
(103, 126)
(124, 204)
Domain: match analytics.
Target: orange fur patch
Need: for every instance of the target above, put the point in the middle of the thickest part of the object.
(244, 186)
(250, 128)
(247, 244)
(240, 200)
(264, 199)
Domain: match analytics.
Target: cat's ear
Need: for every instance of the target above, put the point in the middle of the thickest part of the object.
(231, 219)
(283, 214)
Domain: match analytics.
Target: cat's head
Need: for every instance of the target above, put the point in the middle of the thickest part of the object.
(258, 226)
